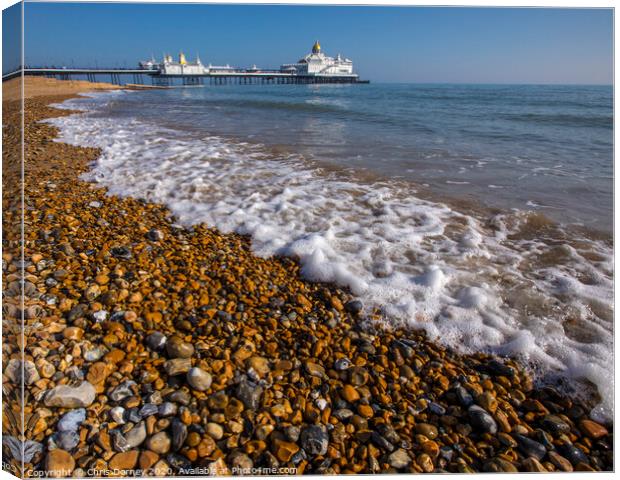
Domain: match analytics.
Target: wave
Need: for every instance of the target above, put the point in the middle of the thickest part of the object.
(511, 284)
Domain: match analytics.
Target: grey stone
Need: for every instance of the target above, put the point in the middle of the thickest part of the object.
(30, 448)
(314, 440)
(71, 421)
(574, 454)
(149, 409)
(249, 393)
(13, 372)
(155, 235)
(117, 415)
(136, 435)
(480, 419)
(156, 341)
(95, 353)
(342, 364)
(199, 379)
(168, 409)
(121, 252)
(464, 396)
(122, 391)
(71, 397)
(354, 307)
(67, 440)
(529, 447)
(100, 316)
(179, 434)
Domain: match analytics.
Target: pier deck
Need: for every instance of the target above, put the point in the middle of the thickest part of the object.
(138, 76)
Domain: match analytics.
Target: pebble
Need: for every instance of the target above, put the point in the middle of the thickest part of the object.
(159, 443)
(342, 364)
(67, 440)
(529, 447)
(59, 463)
(167, 409)
(14, 368)
(100, 316)
(95, 353)
(285, 450)
(259, 364)
(241, 464)
(147, 459)
(560, 462)
(177, 366)
(592, 429)
(428, 430)
(199, 379)
(122, 391)
(156, 341)
(532, 464)
(71, 397)
(399, 459)
(71, 421)
(354, 307)
(179, 434)
(482, 420)
(155, 235)
(148, 409)
(464, 396)
(350, 394)
(136, 436)
(215, 431)
(574, 454)
(124, 461)
(176, 347)
(314, 440)
(117, 415)
(249, 393)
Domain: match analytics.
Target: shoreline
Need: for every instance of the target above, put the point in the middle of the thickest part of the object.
(322, 392)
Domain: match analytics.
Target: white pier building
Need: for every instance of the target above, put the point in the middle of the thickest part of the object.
(182, 67)
(315, 67)
(317, 63)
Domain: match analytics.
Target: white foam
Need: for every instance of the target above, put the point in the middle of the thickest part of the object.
(460, 278)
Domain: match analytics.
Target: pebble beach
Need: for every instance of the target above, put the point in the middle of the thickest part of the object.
(156, 349)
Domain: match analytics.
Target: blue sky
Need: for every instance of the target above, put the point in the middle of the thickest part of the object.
(395, 44)
(11, 37)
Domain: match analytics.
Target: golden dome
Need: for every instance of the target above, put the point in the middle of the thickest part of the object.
(316, 48)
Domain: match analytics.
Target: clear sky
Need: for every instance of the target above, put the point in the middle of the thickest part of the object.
(11, 38)
(394, 44)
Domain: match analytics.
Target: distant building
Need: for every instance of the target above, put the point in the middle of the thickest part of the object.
(169, 67)
(317, 63)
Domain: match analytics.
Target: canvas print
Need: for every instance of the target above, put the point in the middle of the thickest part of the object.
(306, 239)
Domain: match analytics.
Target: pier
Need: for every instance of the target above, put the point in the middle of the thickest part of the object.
(121, 76)
(313, 68)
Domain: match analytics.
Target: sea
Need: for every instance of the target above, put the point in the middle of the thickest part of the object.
(482, 214)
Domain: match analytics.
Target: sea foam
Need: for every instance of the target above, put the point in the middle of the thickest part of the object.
(475, 284)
